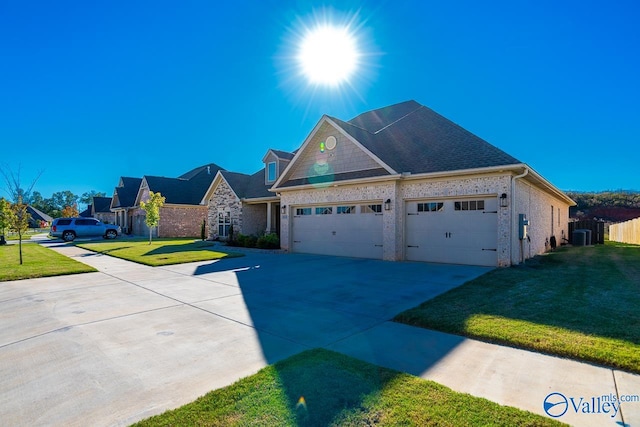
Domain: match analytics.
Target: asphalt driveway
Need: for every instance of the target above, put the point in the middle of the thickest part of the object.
(130, 341)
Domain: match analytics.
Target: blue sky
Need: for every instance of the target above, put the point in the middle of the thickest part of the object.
(91, 91)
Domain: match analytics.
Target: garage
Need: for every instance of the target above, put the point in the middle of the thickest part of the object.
(350, 229)
(452, 231)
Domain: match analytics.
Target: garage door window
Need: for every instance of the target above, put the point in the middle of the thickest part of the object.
(303, 211)
(431, 207)
(346, 210)
(469, 205)
(366, 209)
(325, 210)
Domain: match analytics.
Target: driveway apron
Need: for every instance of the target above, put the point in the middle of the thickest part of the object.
(131, 341)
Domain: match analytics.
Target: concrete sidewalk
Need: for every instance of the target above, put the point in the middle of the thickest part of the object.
(168, 334)
(505, 375)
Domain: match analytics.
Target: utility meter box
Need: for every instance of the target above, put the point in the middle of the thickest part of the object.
(523, 223)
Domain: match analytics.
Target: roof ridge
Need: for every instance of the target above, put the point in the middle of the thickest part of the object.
(396, 121)
(350, 124)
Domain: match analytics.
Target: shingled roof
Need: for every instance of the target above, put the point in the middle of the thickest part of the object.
(101, 204)
(125, 194)
(38, 215)
(410, 137)
(248, 186)
(188, 189)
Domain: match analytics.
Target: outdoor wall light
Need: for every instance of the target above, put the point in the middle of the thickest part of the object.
(283, 209)
(503, 200)
(387, 205)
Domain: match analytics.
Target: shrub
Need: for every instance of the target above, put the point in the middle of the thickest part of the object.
(246, 241)
(268, 241)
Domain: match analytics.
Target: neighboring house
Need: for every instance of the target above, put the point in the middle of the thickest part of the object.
(100, 208)
(182, 214)
(244, 201)
(403, 183)
(87, 212)
(123, 202)
(38, 218)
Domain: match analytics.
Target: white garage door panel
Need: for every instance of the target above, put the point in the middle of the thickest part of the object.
(447, 235)
(353, 235)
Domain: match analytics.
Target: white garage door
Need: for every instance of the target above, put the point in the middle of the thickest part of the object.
(353, 230)
(462, 231)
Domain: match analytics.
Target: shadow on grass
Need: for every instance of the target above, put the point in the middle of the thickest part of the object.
(181, 247)
(296, 302)
(592, 291)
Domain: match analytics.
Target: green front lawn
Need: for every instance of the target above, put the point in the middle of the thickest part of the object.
(159, 252)
(320, 388)
(581, 302)
(38, 261)
(12, 235)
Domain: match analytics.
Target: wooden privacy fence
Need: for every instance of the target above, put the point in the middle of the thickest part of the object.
(596, 227)
(625, 232)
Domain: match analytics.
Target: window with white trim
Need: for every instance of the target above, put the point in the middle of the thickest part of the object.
(346, 210)
(272, 171)
(324, 210)
(469, 205)
(431, 207)
(303, 211)
(367, 209)
(224, 223)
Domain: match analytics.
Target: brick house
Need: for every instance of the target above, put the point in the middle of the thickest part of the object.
(244, 202)
(100, 208)
(182, 214)
(396, 183)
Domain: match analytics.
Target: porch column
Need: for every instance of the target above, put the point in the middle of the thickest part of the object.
(269, 207)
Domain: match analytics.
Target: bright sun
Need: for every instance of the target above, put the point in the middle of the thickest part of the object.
(328, 55)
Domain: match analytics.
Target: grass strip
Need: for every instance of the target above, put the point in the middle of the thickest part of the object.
(159, 252)
(38, 261)
(579, 302)
(323, 388)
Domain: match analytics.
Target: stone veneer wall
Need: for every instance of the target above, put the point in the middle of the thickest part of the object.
(224, 198)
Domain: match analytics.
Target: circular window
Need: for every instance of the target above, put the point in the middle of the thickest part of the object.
(331, 142)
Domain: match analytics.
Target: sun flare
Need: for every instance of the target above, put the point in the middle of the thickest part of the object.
(328, 55)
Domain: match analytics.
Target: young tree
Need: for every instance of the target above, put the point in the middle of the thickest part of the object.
(14, 187)
(70, 211)
(152, 208)
(20, 221)
(6, 218)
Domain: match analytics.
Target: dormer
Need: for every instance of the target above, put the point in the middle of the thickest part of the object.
(275, 161)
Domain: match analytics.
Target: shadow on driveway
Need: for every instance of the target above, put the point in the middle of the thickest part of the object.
(336, 303)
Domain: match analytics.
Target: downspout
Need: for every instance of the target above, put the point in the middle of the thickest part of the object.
(513, 208)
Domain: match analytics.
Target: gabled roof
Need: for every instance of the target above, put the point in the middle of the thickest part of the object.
(87, 212)
(406, 137)
(38, 215)
(283, 154)
(101, 205)
(412, 138)
(188, 189)
(248, 186)
(126, 192)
